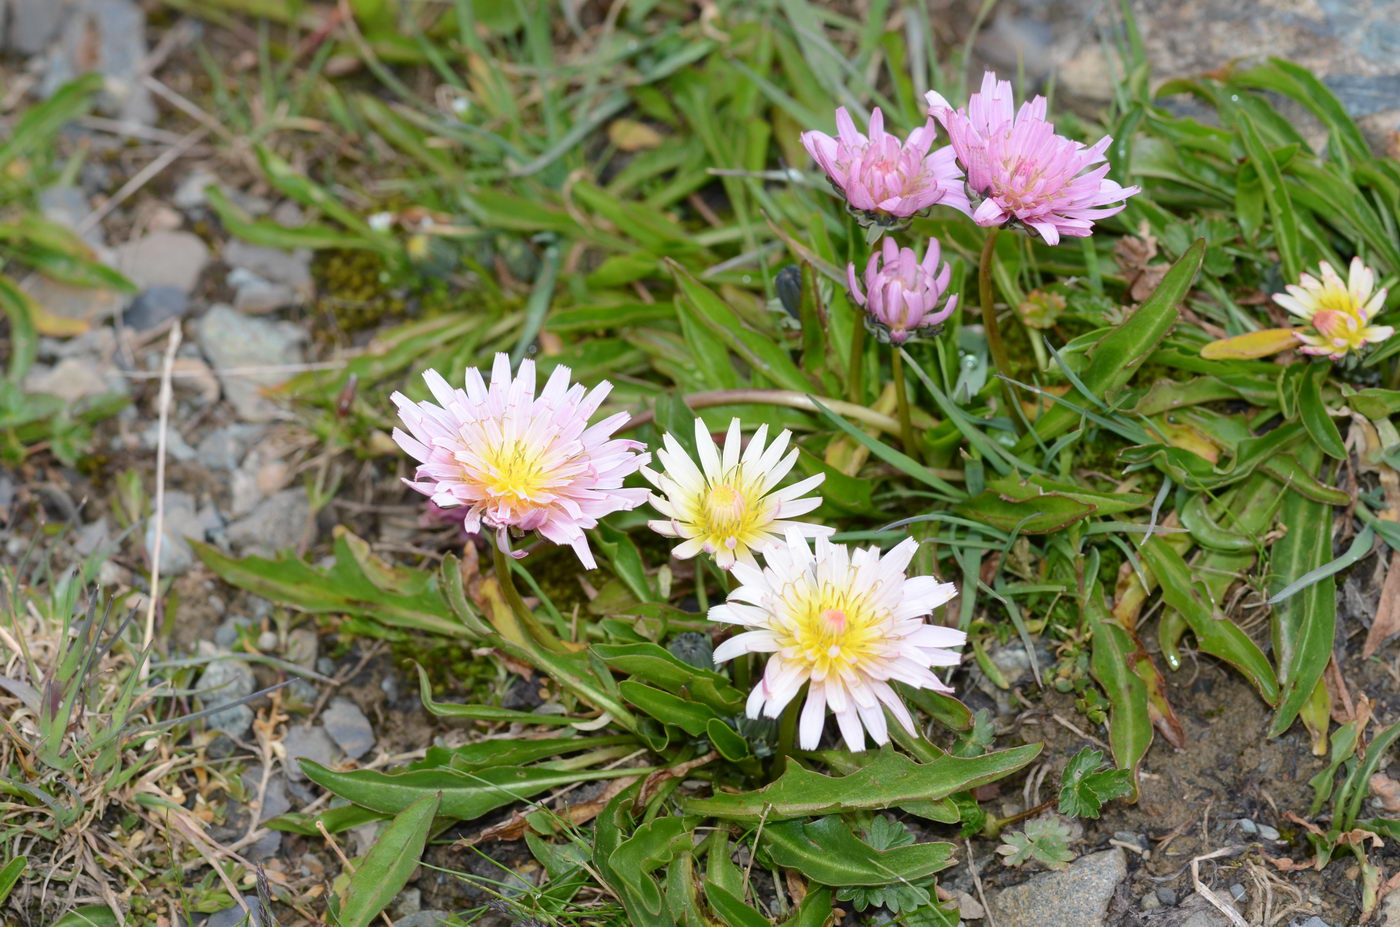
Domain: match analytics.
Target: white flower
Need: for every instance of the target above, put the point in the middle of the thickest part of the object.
(847, 622)
(727, 506)
(1339, 312)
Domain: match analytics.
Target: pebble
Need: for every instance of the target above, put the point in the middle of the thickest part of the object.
(165, 258)
(235, 916)
(1078, 895)
(223, 682)
(181, 522)
(1237, 891)
(226, 634)
(309, 742)
(109, 37)
(1166, 895)
(1248, 827)
(232, 340)
(275, 802)
(176, 447)
(1269, 833)
(302, 644)
(267, 641)
(1150, 902)
(224, 448)
(409, 902)
(189, 192)
(68, 206)
(272, 265)
(1313, 921)
(255, 295)
(277, 523)
(155, 305)
(73, 379)
(33, 25)
(348, 727)
(1390, 910)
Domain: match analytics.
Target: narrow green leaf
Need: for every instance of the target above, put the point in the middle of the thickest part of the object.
(465, 796)
(485, 712)
(1285, 221)
(1303, 623)
(1313, 412)
(92, 915)
(9, 876)
(1112, 362)
(1112, 663)
(889, 780)
(731, 909)
(826, 851)
(389, 864)
(24, 340)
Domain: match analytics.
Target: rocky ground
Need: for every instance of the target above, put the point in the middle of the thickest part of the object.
(238, 466)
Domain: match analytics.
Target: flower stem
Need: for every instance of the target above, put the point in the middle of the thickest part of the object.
(995, 346)
(906, 430)
(854, 393)
(787, 733)
(504, 578)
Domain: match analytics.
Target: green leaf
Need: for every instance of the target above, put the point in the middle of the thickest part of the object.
(815, 909)
(92, 915)
(1022, 508)
(24, 340)
(888, 780)
(1216, 634)
(314, 235)
(1304, 625)
(357, 584)
(389, 864)
(758, 349)
(656, 665)
(466, 796)
(1112, 362)
(691, 717)
(1045, 840)
(1285, 220)
(1085, 786)
(485, 712)
(9, 876)
(1376, 403)
(1313, 412)
(826, 851)
(35, 130)
(1112, 660)
(652, 845)
(731, 909)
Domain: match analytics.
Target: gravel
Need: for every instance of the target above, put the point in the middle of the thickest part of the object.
(348, 727)
(224, 682)
(1078, 895)
(234, 342)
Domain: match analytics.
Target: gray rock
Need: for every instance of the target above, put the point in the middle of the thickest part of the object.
(1150, 902)
(1197, 912)
(348, 727)
(409, 902)
(155, 305)
(268, 846)
(1269, 833)
(226, 634)
(33, 24)
(255, 295)
(424, 919)
(166, 258)
(1390, 910)
(189, 193)
(224, 682)
(1353, 47)
(1247, 826)
(176, 448)
(301, 696)
(1166, 895)
(234, 342)
(235, 916)
(89, 538)
(73, 379)
(182, 522)
(224, 449)
(1313, 921)
(275, 802)
(1078, 895)
(68, 206)
(81, 303)
(302, 644)
(108, 37)
(312, 743)
(277, 523)
(272, 265)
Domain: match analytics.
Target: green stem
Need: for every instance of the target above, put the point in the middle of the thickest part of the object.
(506, 579)
(787, 733)
(906, 430)
(995, 346)
(854, 393)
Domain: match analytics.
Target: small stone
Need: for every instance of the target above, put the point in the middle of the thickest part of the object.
(969, 908)
(156, 305)
(246, 353)
(108, 37)
(1390, 910)
(273, 265)
(225, 448)
(1268, 833)
(275, 801)
(189, 194)
(1166, 895)
(68, 206)
(1150, 902)
(325, 666)
(1077, 895)
(1237, 891)
(268, 846)
(226, 635)
(90, 537)
(235, 916)
(175, 446)
(164, 259)
(1313, 921)
(267, 641)
(34, 24)
(301, 696)
(224, 682)
(348, 727)
(1247, 826)
(73, 379)
(424, 919)
(255, 295)
(180, 523)
(307, 742)
(410, 901)
(277, 523)
(302, 644)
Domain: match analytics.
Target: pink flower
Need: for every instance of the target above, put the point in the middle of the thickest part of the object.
(517, 460)
(1024, 171)
(880, 174)
(845, 622)
(901, 292)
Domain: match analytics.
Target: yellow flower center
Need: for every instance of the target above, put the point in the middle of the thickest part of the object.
(731, 512)
(831, 629)
(515, 470)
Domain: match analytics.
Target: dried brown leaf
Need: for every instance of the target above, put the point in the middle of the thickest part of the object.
(1387, 621)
